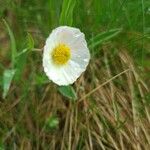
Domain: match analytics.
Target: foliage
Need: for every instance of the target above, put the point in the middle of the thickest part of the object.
(108, 106)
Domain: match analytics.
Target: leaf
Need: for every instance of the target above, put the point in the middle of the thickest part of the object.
(102, 37)
(52, 123)
(7, 79)
(30, 41)
(41, 79)
(13, 43)
(66, 17)
(68, 92)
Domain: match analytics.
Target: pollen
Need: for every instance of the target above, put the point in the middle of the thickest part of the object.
(61, 54)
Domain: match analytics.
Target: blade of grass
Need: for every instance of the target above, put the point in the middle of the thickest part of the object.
(13, 43)
(66, 17)
(102, 37)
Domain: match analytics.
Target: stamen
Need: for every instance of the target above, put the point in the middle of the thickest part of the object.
(61, 54)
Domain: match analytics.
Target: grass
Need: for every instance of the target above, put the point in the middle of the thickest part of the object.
(108, 107)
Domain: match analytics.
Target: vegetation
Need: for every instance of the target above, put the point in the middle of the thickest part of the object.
(108, 107)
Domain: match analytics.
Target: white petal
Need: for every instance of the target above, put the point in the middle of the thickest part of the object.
(80, 56)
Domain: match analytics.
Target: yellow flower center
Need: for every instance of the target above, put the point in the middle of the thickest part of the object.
(61, 54)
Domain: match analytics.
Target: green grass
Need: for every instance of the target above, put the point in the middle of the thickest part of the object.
(107, 108)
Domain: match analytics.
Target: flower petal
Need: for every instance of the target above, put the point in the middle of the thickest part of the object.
(80, 56)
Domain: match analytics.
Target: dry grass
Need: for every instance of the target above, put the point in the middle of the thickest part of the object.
(110, 113)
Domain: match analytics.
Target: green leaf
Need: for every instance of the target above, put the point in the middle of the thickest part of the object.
(68, 92)
(52, 123)
(7, 78)
(13, 43)
(30, 41)
(102, 37)
(41, 79)
(66, 17)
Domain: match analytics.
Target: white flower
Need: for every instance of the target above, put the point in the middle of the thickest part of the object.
(65, 55)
